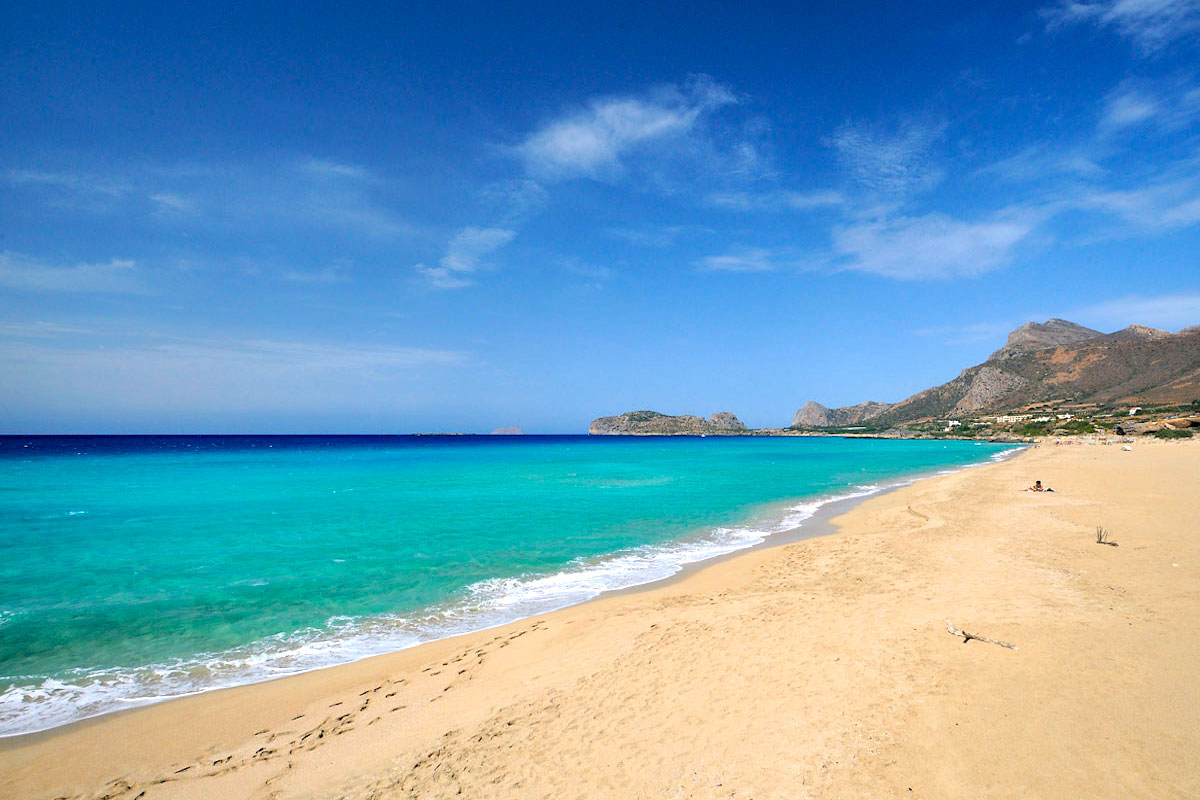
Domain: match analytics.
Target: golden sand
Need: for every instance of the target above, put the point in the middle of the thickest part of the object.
(818, 669)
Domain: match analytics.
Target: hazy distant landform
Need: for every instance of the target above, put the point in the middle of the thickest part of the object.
(652, 423)
(1056, 369)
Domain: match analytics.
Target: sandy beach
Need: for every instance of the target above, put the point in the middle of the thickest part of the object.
(816, 669)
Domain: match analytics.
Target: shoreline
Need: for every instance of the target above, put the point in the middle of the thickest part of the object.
(814, 525)
(818, 668)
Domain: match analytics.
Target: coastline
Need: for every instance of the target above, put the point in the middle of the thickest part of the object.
(785, 645)
(633, 569)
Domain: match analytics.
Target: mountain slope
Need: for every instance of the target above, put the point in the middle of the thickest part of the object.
(1051, 362)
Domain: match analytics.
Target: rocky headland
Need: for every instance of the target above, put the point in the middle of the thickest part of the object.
(652, 423)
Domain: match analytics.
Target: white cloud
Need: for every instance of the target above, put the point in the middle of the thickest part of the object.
(1036, 163)
(71, 182)
(757, 259)
(1156, 206)
(514, 201)
(471, 244)
(326, 169)
(338, 272)
(442, 278)
(1150, 24)
(931, 246)
(18, 271)
(173, 203)
(314, 192)
(1128, 107)
(39, 329)
(777, 200)
(1132, 104)
(464, 255)
(890, 162)
(590, 142)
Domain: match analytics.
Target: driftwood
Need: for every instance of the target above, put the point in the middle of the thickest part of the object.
(953, 631)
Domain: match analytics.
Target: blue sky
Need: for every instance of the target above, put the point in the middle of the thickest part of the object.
(425, 217)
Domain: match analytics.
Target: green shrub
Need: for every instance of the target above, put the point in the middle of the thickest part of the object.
(1077, 426)
(1171, 433)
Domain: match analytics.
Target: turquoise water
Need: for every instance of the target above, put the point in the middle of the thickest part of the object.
(137, 568)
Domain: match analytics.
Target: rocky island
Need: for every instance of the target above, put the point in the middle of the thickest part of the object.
(652, 423)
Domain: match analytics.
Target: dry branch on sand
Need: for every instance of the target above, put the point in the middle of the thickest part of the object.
(953, 631)
(1102, 537)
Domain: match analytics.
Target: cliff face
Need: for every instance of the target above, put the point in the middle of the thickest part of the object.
(652, 423)
(815, 415)
(1054, 361)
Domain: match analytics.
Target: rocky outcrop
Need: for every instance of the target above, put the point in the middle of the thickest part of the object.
(1136, 333)
(652, 423)
(987, 386)
(1051, 333)
(815, 415)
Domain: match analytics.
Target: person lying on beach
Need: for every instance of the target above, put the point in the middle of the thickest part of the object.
(1037, 487)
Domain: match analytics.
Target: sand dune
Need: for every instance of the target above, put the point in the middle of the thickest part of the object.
(818, 669)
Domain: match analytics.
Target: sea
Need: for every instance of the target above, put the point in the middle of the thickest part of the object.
(135, 569)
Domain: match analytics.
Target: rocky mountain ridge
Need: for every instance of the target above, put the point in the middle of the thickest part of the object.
(1055, 362)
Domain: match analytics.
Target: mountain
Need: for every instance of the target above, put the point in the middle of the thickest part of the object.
(652, 423)
(815, 415)
(1050, 333)
(1052, 362)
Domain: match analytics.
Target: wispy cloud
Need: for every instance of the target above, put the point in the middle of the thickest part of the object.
(464, 255)
(173, 203)
(40, 329)
(931, 246)
(325, 168)
(513, 202)
(659, 235)
(312, 192)
(591, 142)
(1138, 104)
(169, 375)
(80, 183)
(1150, 24)
(337, 272)
(895, 162)
(1126, 107)
(1171, 311)
(118, 276)
(470, 245)
(757, 259)
(777, 200)
(1041, 161)
(1155, 206)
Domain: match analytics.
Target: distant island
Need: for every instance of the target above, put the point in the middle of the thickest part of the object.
(1049, 377)
(652, 423)
(511, 430)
